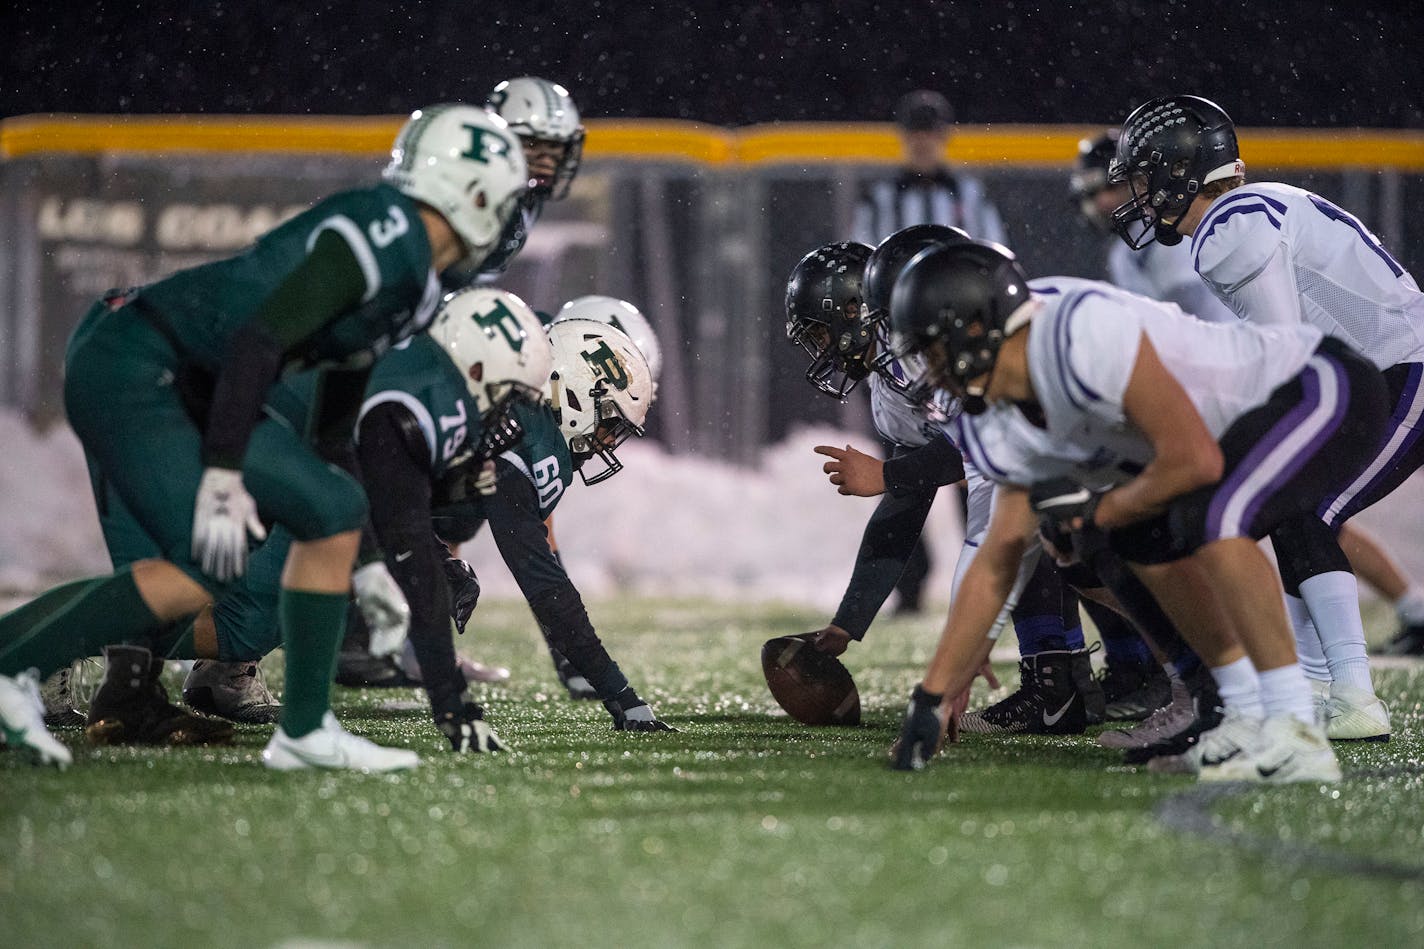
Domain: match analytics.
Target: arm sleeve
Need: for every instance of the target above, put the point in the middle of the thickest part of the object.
(523, 541)
(327, 282)
(932, 465)
(396, 466)
(890, 536)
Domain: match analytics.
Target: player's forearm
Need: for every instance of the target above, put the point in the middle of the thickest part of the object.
(889, 539)
(1165, 479)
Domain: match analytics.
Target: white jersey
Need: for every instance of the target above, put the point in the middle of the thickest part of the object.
(897, 419)
(1165, 273)
(1082, 348)
(1278, 254)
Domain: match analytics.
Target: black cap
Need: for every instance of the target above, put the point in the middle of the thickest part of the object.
(923, 110)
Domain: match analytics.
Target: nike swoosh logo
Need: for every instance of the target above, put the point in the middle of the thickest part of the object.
(1267, 772)
(335, 759)
(1053, 719)
(1213, 762)
(403, 557)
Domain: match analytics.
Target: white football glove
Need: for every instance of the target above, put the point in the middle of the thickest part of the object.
(223, 515)
(486, 481)
(383, 606)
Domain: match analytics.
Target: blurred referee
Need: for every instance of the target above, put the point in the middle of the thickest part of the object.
(923, 191)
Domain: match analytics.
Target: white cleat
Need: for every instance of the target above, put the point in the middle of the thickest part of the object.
(1225, 752)
(332, 746)
(1292, 752)
(1353, 714)
(22, 720)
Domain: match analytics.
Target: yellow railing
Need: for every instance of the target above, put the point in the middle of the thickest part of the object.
(677, 141)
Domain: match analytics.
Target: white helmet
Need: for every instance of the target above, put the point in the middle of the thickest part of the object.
(600, 391)
(621, 315)
(464, 163)
(539, 109)
(499, 346)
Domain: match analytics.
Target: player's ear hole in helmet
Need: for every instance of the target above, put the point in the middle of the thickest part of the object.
(464, 163)
(1169, 149)
(886, 263)
(955, 306)
(499, 346)
(600, 390)
(825, 316)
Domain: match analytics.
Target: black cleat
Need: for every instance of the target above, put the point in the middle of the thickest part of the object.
(1047, 701)
(1409, 641)
(1134, 690)
(131, 706)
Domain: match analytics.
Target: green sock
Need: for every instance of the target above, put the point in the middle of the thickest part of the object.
(312, 627)
(73, 621)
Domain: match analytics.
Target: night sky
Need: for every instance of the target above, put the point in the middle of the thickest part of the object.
(1269, 63)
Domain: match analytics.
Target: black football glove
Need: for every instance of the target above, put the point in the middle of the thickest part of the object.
(468, 731)
(464, 591)
(921, 735)
(632, 714)
(1063, 500)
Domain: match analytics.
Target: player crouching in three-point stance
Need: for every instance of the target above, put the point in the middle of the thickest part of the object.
(164, 385)
(1191, 441)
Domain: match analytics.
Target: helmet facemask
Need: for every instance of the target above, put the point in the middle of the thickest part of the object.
(501, 428)
(839, 347)
(600, 392)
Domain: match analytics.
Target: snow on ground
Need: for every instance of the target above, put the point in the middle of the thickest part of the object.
(665, 525)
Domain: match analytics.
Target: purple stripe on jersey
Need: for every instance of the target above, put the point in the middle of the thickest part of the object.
(974, 447)
(1235, 197)
(1065, 347)
(1239, 209)
(1402, 432)
(1282, 451)
(1336, 214)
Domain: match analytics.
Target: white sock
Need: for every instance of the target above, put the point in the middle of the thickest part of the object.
(1334, 602)
(1284, 691)
(1239, 688)
(1307, 640)
(1410, 606)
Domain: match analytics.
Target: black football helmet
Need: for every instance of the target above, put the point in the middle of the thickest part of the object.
(825, 316)
(886, 262)
(1090, 176)
(955, 306)
(1169, 148)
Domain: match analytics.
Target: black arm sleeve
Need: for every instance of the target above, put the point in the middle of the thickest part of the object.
(328, 282)
(890, 536)
(523, 542)
(930, 466)
(395, 460)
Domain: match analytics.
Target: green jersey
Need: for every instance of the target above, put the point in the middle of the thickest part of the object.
(542, 455)
(204, 305)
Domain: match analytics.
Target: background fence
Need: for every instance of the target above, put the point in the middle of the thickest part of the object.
(698, 226)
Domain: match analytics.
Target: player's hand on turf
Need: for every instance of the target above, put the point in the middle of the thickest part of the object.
(853, 472)
(832, 640)
(468, 731)
(383, 607)
(464, 591)
(954, 705)
(922, 734)
(223, 515)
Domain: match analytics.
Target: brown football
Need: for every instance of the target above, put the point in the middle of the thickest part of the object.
(813, 687)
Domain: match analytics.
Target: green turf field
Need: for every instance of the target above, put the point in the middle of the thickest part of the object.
(742, 830)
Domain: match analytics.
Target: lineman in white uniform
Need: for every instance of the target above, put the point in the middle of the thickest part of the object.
(1277, 254)
(1190, 441)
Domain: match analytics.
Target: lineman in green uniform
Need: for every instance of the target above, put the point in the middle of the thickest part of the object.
(164, 387)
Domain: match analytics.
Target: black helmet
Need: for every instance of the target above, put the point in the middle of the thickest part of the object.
(1090, 176)
(826, 318)
(885, 264)
(1169, 148)
(953, 305)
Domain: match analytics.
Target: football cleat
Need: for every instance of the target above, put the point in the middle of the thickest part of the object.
(1289, 751)
(1225, 753)
(1088, 686)
(131, 706)
(1353, 714)
(1134, 690)
(333, 747)
(1165, 722)
(231, 690)
(1047, 701)
(361, 670)
(22, 720)
(580, 689)
(58, 695)
(1409, 641)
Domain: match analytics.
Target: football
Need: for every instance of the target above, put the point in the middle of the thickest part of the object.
(813, 687)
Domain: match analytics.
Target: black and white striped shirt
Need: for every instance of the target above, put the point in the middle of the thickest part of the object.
(955, 200)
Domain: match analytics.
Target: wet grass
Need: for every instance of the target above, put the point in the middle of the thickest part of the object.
(742, 829)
